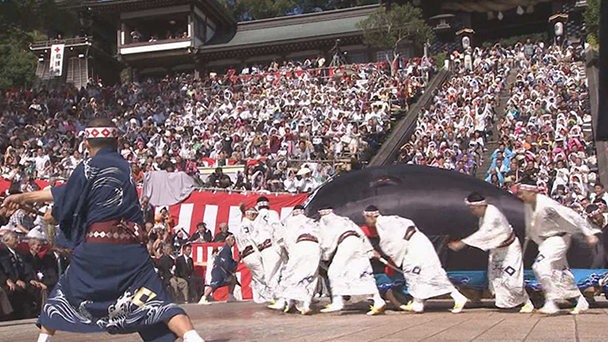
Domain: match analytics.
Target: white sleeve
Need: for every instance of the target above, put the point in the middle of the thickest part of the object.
(568, 217)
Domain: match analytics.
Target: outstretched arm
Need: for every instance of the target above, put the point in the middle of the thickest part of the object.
(41, 196)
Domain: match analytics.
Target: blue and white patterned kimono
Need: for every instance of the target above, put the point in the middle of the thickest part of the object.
(107, 287)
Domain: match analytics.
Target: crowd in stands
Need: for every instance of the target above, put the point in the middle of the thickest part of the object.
(265, 119)
(451, 133)
(546, 131)
(289, 126)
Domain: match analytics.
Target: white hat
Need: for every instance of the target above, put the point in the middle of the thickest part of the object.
(303, 171)
(37, 233)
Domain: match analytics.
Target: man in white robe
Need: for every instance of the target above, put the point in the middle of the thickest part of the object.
(268, 230)
(249, 253)
(350, 272)
(415, 254)
(551, 226)
(505, 263)
(301, 274)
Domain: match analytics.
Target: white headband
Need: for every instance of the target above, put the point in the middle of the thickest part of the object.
(374, 213)
(263, 204)
(528, 187)
(297, 212)
(595, 212)
(100, 132)
(324, 212)
(478, 203)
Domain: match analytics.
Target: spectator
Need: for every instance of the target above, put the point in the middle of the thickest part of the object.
(41, 263)
(25, 292)
(221, 236)
(218, 179)
(184, 269)
(599, 193)
(21, 221)
(43, 163)
(179, 239)
(178, 287)
(202, 234)
(147, 209)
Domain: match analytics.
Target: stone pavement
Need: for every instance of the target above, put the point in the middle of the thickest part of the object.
(224, 322)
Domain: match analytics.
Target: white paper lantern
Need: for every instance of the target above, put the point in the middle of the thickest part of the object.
(559, 29)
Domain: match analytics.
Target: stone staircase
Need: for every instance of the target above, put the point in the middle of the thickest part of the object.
(492, 143)
(402, 131)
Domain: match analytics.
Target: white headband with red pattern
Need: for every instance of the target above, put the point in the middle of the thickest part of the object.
(324, 212)
(373, 213)
(101, 132)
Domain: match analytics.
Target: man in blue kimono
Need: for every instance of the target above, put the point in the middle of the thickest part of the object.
(110, 285)
(223, 270)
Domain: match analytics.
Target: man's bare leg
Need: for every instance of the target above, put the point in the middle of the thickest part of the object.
(181, 326)
(45, 334)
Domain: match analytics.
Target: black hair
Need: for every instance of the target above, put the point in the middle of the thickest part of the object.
(475, 197)
(371, 208)
(298, 207)
(591, 208)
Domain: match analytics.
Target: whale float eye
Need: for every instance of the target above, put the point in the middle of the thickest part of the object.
(385, 181)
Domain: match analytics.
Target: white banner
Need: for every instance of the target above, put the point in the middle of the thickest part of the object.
(56, 67)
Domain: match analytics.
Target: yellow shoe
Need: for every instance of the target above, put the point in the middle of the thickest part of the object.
(204, 301)
(458, 306)
(409, 307)
(528, 308)
(332, 308)
(376, 311)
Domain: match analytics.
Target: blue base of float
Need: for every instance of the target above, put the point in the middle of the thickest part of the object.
(585, 278)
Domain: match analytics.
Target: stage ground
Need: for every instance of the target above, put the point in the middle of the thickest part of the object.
(223, 322)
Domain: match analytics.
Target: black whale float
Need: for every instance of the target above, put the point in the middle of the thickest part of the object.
(434, 199)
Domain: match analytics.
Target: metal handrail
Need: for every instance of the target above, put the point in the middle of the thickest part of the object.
(67, 41)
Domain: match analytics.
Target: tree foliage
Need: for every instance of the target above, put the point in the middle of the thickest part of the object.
(387, 29)
(243, 10)
(21, 23)
(592, 21)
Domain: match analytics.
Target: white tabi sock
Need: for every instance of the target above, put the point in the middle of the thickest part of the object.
(192, 336)
(44, 337)
(378, 301)
(458, 297)
(337, 301)
(306, 305)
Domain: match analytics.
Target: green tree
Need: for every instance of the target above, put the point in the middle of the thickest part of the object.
(243, 10)
(388, 29)
(23, 22)
(592, 21)
(263, 9)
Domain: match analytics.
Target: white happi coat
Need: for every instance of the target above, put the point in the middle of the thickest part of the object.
(350, 272)
(551, 226)
(505, 264)
(424, 275)
(267, 226)
(300, 276)
(254, 262)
